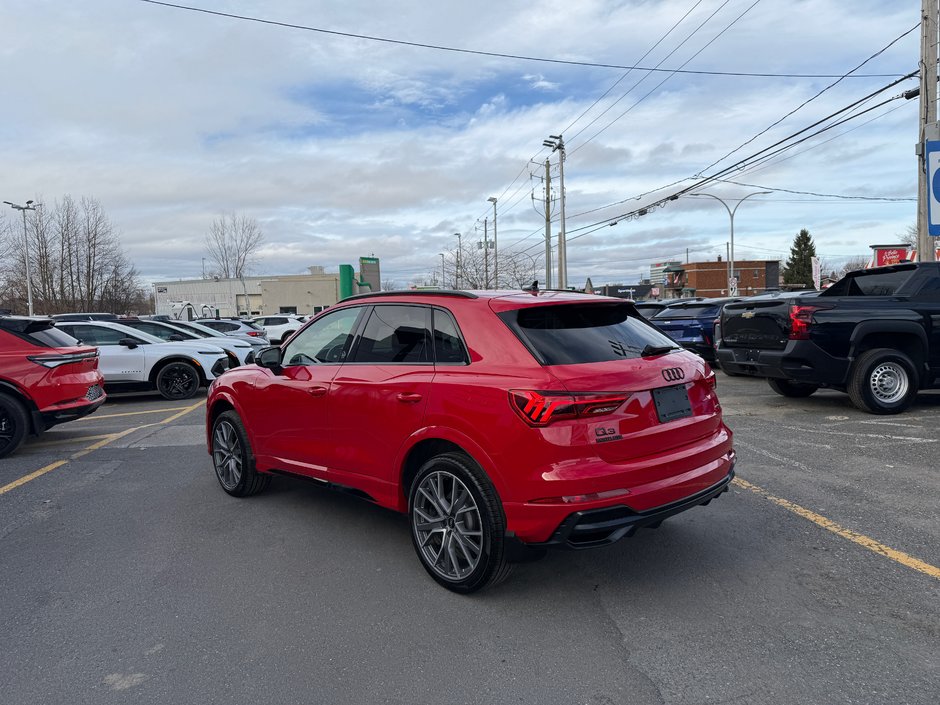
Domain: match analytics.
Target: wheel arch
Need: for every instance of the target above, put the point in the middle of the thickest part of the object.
(435, 441)
(159, 365)
(36, 425)
(904, 336)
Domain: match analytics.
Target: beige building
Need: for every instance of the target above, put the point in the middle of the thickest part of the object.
(248, 296)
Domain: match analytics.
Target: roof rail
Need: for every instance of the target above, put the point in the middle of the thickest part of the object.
(415, 292)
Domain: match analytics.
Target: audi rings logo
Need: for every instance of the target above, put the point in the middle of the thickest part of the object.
(673, 374)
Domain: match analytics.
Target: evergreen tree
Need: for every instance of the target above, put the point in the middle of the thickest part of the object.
(799, 268)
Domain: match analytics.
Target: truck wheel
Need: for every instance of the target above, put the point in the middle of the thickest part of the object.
(13, 425)
(789, 388)
(883, 381)
(457, 524)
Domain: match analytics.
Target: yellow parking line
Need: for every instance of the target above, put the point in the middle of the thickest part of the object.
(862, 540)
(95, 417)
(32, 476)
(66, 441)
(105, 440)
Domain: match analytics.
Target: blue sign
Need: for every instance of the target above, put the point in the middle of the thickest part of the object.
(932, 150)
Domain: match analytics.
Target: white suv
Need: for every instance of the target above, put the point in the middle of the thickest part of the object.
(131, 360)
(280, 328)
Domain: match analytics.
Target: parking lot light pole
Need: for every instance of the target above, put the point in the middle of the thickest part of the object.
(731, 212)
(29, 276)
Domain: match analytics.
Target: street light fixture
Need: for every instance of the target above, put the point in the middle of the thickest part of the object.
(731, 212)
(29, 275)
(492, 199)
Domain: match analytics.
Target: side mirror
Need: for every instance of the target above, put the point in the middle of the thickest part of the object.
(269, 358)
(129, 343)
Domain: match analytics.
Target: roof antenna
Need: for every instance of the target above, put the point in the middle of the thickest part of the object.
(533, 288)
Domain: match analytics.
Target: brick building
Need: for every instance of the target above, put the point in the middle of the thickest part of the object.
(710, 279)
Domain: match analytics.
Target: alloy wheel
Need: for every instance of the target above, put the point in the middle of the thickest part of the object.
(447, 524)
(227, 455)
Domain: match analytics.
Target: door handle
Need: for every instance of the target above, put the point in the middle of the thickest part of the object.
(409, 398)
(317, 391)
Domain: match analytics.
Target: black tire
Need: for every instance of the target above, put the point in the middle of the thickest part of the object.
(14, 423)
(883, 381)
(233, 459)
(789, 388)
(451, 501)
(178, 380)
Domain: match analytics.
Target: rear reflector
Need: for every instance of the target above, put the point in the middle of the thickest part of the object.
(542, 408)
(577, 498)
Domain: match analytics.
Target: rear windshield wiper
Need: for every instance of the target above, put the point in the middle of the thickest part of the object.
(651, 350)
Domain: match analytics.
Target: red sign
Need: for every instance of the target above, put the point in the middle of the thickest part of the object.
(887, 256)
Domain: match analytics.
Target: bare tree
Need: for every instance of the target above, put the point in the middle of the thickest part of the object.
(232, 245)
(76, 262)
(477, 269)
(909, 236)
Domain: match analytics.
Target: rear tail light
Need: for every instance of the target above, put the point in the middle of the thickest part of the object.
(711, 379)
(57, 359)
(801, 318)
(542, 408)
(254, 333)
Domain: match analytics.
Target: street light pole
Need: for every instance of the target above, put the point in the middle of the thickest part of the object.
(492, 199)
(29, 275)
(731, 212)
(443, 277)
(457, 266)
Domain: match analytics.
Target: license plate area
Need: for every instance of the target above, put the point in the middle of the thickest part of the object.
(672, 403)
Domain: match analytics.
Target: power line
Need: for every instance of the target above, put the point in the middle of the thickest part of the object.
(810, 100)
(500, 55)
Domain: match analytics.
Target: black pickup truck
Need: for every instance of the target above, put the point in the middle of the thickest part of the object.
(874, 334)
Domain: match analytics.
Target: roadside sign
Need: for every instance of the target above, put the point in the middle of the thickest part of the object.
(817, 272)
(932, 149)
(733, 286)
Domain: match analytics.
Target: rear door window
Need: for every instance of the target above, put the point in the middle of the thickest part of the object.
(580, 333)
(51, 338)
(448, 347)
(395, 335)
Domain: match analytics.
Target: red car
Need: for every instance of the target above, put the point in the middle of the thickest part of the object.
(46, 378)
(503, 423)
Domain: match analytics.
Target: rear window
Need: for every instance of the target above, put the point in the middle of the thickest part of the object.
(52, 338)
(870, 283)
(687, 312)
(582, 333)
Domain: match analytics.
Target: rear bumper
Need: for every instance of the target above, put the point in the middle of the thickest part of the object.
(593, 528)
(801, 360)
(49, 417)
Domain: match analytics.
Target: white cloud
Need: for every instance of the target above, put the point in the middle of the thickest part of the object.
(342, 147)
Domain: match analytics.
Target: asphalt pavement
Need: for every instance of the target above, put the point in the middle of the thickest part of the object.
(128, 576)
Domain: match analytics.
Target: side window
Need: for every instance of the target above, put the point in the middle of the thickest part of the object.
(395, 334)
(98, 336)
(448, 347)
(930, 291)
(327, 340)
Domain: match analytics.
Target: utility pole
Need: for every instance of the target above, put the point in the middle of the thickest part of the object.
(29, 273)
(492, 199)
(548, 225)
(457, 267)
(443, 277)
(486, 254)
(558, 145)
(926, 246)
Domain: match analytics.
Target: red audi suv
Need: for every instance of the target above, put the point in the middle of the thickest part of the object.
(502, 423)
(46, 378)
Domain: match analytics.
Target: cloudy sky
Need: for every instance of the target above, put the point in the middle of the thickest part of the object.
(344, 146)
